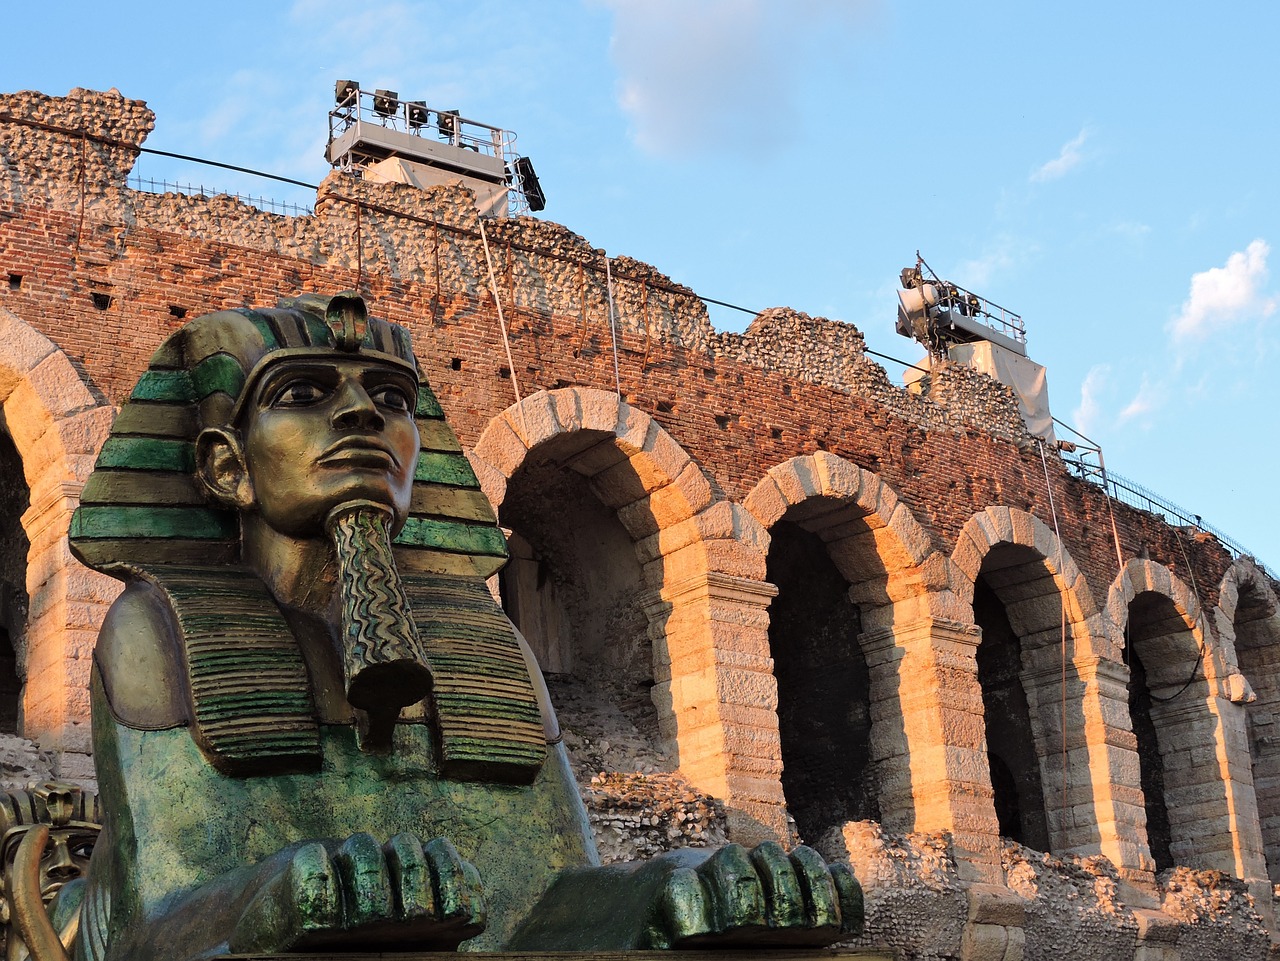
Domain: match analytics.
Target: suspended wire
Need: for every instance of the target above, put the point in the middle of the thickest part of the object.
(613, 331)
(502, 324)
(403, 215)
(1106, 490)
(80, 183)
(359, 251)
(1195, 669)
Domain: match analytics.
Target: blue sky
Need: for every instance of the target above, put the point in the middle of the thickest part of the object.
(1106, 170)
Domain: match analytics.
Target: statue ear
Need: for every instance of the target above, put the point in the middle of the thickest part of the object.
(222, 468)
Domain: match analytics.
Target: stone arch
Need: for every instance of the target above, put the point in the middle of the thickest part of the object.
(1011, 563)
(1248, 622)
(826, 513)
(1180, 678)
(1008, 526)
(703, 567)
(57, 426)
(840, 493)
(1242, 578)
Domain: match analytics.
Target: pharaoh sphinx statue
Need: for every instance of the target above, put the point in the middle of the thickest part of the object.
(314, 728)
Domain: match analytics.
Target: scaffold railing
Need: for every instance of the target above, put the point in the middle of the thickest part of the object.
(152, 186)
(1136, 495)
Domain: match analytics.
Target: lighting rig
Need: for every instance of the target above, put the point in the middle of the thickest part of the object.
(381, 137)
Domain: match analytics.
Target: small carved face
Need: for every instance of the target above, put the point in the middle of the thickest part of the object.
(65, 856)
(322, 433)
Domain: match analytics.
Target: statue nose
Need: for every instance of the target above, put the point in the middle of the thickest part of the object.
(60, 864)
(355, 410)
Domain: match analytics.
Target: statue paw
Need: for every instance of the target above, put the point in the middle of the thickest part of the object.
(760, 897)
(400, 893)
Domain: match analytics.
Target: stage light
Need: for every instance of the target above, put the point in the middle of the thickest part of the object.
(447, 121)
(386, 103)
(344, 92)
(417, 114)
(913, 310)
(529, 185)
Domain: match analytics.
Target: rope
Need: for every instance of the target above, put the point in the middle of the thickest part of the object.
(1200, 646)
(502, 325)
(359, 251)
(80, 183)
(1115, 531)
(613, 332)
(1062, 600)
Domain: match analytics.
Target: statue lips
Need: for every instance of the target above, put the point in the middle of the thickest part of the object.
(361, 451)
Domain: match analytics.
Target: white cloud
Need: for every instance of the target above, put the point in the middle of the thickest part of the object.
(1069, 157)
(1223, 297)
(1091, 391)
(1148, 399)
(694, 74)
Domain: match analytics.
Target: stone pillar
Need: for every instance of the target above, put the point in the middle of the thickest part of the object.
(68, 603)
(717, 698)
(1108, 751)
(1209, 787)
(928, 738)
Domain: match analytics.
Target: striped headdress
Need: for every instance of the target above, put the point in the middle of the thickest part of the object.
(144, 515)
(144, 504)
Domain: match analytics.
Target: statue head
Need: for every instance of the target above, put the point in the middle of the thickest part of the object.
(194, 450)
(315, 428)
(288, 440)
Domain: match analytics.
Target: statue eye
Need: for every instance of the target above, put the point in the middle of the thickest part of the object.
(298, 393)
(392, 398)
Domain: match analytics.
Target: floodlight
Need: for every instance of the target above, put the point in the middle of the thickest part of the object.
(386, 103)
(417, 114)
(529, 185)
(344, 92)
(914, 306)
(447, 121)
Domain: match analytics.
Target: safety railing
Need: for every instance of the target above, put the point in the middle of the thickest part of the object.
(153, 186)
(1136, 495)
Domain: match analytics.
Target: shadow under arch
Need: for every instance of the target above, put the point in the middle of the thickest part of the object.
(57, 427)
(1049, 716)
(1248, 612)
(852, 535)
(1198, 788)
(701, 566)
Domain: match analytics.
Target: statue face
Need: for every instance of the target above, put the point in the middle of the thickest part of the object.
(320, 433)
(65, 856)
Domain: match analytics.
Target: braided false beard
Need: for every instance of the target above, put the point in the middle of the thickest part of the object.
(383, 660)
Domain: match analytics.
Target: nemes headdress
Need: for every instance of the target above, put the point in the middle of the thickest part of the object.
(144, 515)
(144, 503)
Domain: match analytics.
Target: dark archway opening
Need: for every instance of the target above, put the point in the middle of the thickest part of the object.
(1011, 746)
(1150, 763)
(573, 587)
(1178, 738)
(14, 603)
(824, 687)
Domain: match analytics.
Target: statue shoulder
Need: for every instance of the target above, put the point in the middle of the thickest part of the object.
(137, 658)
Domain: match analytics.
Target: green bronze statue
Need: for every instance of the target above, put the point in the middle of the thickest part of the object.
(314, 728)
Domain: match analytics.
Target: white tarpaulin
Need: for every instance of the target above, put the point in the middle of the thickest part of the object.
(1026, 377)
(491, 199)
